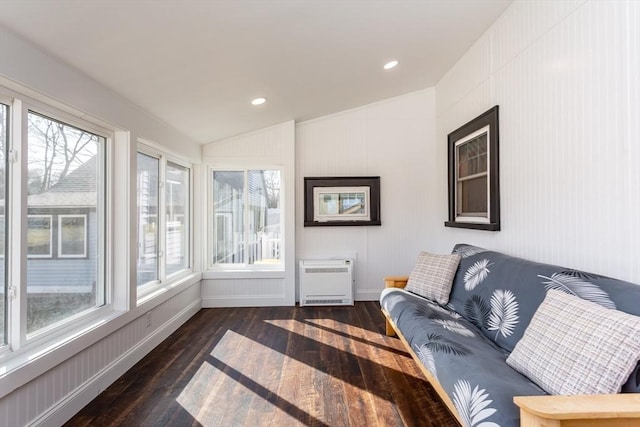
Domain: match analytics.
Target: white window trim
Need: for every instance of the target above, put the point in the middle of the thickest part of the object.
(41, 256)
(468, 218)
(2, 224)
(241, 270)
(85, 234)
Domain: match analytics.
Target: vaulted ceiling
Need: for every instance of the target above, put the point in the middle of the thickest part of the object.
(197, 64)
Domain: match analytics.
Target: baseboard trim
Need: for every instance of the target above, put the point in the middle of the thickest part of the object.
(368, 295)
(66, 408)
(244, 301)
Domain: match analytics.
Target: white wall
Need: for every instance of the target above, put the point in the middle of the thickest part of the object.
(270, 147)
(395, 140)
(566, 75)
(55, 385)
(26, 64)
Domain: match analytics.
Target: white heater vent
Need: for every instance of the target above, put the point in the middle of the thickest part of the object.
(326, 282)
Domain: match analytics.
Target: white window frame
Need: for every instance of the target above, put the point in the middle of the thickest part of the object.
(212, 217)
(2, 219)
(147, 287)
(41, 256)
(187, 216)
(85, 234)
(318, 192)
(20, 344)
(155, 287)
(4, 223)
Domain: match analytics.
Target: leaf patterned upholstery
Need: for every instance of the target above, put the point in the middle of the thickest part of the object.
(493, 299)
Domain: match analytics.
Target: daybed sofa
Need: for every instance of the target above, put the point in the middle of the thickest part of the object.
(462, 340)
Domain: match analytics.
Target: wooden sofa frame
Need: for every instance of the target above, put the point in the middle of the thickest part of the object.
(611, 410)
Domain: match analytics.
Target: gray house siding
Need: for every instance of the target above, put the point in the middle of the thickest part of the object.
(52, 275)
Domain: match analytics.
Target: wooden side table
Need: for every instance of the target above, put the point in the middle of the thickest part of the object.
(606, 410)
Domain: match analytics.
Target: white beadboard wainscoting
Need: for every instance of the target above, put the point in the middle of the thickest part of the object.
(244, 292)
(52, 398)
(566, 76)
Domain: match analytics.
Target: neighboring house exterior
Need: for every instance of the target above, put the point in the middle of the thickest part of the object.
(62, 233)
(263, 223)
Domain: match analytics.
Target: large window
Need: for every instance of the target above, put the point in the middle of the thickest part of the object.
(163, 239)
(246, 217)
(65, 189)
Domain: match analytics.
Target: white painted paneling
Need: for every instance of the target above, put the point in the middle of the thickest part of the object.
(243, 292)
(470, 72)
(393, 139)
(273, 147)
(270, 143)
(565, 75)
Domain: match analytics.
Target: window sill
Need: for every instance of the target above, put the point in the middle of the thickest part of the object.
(490, 226)
(171, 287)
(243, 274)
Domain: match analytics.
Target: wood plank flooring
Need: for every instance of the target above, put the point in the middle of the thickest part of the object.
(276, 366)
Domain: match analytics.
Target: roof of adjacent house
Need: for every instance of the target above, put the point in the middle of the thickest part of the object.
(77, 189)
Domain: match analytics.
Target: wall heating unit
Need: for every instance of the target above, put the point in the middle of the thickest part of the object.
(326, 282)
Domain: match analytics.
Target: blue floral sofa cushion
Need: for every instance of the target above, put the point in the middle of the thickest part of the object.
(494, 296)
(470, 367)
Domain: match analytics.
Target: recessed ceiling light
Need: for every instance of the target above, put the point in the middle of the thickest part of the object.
(391, 64)
(258, 101)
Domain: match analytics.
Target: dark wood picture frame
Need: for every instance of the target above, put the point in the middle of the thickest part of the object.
(490, 119)
(372, 183)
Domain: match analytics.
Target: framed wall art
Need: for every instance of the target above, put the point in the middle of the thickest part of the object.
(342, 201)
(474, 184)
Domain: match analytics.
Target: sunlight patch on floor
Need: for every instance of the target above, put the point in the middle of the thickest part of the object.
(338, 335)
(243, 373)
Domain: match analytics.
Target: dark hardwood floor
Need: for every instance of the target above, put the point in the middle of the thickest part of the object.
(280, 366)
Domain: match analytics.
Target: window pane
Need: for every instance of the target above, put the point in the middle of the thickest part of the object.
(39, 236)
(228, 224)
(64, 178)
(177, 207)
(148, 173)
(264, 217)
(4, 129)
(472, 197)
(72, 236)
(472, 156)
